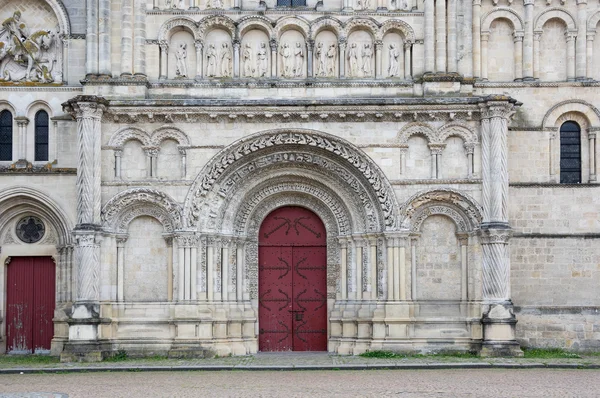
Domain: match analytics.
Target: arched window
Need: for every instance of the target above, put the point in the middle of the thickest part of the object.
(570, 153)
(6, 135)
(41, 135)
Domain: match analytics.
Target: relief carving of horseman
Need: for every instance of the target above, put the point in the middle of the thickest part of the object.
(24, 56)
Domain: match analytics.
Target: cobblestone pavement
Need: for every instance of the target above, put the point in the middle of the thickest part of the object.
(365, 383)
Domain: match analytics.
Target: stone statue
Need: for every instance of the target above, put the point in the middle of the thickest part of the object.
(225, 60)
(218, 4)
(353, 60)
(286, 54)
(298, 60)
(28, 57)
(181, 56)
(367, 56)
(393, 67)
(211, 58)
(363, 4)
(331, 54)
(321, 55)
(247, 58)
(262, 60)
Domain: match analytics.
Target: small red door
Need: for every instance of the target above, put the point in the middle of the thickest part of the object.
(292, 281)
(30, 304)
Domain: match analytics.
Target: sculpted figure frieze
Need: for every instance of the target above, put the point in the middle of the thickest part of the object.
(393, 64)
(225, 60)
(262, 60)
(28, 56)
(181, 56)
(353, 54)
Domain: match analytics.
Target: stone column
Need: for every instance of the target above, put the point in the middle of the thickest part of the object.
(22, 123)
(592, 147)
(570, 55)
(498, 318)
(118, 155)
(378, 59)
(343, 268)
(403, 151)
(104, 38)
(139, 38)
(127, 42)
(236, 58)
(407, 61)
(590, 55)
(239, 268)
(342, 59)
(183, 153)
(470, 149)
(84, 320)
(237, 4)
(429, 36)
(151, 161)
(199, 57)
(518, 39)
(484, 55)
(413, 267)
(225, 264)
(528, 41)
(466, 68)
(372, 287)
(91, 37)
(436, 160)
(581, 42)
(381, 5)
(187, 243)
(391, 276)
(476, 38)
(464, 266)
(274, 45)
(537, 36)
(164, 56)
(452, 39)
(358, 266)
(121, 240)
(210, 266)
(440, 36)
(310, 58)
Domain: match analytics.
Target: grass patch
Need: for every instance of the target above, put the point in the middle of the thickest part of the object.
(395, 355)
(548, 353)
(27, 360)
(118, 356)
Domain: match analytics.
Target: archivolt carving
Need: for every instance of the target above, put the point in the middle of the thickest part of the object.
(458, 129)
(169, 133)
(417, 128)
(291, 23)
(217, 21)
(589, 111)
(555, 12)
(336, 207)
(326, 23)
(471, 212)
(129, 133)
(166, 28)
(502, 12)
(462, 225)
(127, 205)
(593, 21)
(248, 23)
(368, 24)
(396, 25)
(360, 162)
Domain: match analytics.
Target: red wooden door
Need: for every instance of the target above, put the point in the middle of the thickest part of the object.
(292, 286)
(30, 304)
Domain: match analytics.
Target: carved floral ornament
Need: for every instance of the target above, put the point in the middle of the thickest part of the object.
(132, 203)
(208, 180)
(148, 140)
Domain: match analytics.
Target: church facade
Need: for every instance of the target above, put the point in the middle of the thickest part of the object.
(191, 178)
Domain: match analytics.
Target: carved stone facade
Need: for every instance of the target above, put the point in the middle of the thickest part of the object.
(426, 135)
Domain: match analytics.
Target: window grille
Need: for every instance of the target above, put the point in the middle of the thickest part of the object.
(41, 136)
(570, 153)
(6, 135)
(291, 3)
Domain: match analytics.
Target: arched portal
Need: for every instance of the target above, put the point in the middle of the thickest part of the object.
(292, 287)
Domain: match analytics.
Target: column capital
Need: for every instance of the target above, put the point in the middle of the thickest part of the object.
(492, 235)
(21, 121)
(151, 151)
(528, 2)
(198, 44)
(86, 106)
(498, 106)
(436, 149)
(518, 36)
(186, 238)
(121, 240)
(273, 44)
(164, 45)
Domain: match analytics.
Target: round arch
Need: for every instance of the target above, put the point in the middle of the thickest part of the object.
(164, 32)
(558, 13)
(118, 139)
(504, 13)
(416, 128)
(587, 110)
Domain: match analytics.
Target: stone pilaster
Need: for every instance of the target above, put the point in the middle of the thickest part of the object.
(85, 317)
(498, 318)
(528, 41)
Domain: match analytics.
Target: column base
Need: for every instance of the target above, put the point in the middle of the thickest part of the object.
(499, 336)
(86, 351)
(501, 349)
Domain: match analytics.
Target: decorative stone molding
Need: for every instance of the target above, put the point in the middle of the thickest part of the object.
(405, 29)
(416, 128)
(119, 211)
(361, 163)
(118, 139)
(290, 22)
(504, 13)
(589, 111)
(555, 12)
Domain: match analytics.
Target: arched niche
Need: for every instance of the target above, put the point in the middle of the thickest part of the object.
(326, 54)
(292, 54)
(255, 53)
(218, 53)
(182, 54)
(360, 54)
(393, 55)
(553, 51)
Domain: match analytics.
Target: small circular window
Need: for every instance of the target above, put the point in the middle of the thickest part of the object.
(30, 229)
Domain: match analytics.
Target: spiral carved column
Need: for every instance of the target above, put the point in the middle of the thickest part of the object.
(498, 317)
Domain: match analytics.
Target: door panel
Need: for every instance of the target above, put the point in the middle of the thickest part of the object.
(310, 298)
(275, 298)
(292, 281)
(30, 304)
